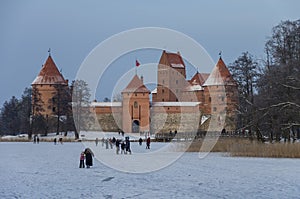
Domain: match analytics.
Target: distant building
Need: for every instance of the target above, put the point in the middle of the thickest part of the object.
(204, 98)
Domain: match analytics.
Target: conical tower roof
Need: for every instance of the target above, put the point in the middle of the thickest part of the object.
(220, 76)
(49, 74)
(136, 85)
(199, 78)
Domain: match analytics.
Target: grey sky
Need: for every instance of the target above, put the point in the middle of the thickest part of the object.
(73, 28)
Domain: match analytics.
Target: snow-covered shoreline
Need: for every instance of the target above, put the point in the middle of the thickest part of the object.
(46, 170)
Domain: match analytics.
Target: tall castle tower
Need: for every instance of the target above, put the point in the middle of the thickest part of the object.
(45, 86)
(136, 106)
(170, 78)
(221, 93)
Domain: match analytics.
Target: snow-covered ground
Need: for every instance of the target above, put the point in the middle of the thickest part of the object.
(46, 170)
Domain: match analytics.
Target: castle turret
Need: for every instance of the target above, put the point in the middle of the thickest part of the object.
(45, 86)
(136, 106)
(221, 95)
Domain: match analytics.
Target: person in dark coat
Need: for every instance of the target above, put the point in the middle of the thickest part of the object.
(148, 143)
(127, 145)
(122, 148)
(140, 141)
(117, 146)
(88, 157)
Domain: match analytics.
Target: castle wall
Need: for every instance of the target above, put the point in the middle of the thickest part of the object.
(173, 118)
(109, 117)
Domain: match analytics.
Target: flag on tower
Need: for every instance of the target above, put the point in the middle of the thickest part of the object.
(137, 63)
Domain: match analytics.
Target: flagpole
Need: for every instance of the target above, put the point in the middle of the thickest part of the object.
(136, 65)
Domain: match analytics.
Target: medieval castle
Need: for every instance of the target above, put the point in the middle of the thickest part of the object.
(205, 102)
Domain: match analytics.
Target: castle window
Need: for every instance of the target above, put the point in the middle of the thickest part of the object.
(135, 104)
(215, 109)
(209, 99)
(54, 109)
(135, 94)
(163, 99)
(162, 90)
(163, 81)
(176, 81)
(176, 99)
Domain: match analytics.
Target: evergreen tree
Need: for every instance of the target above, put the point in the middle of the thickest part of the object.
(245, 72)
(25, 109)
(37, 120)
(10, 122)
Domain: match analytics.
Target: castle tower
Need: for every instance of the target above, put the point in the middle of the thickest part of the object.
(45, 84)
(171, 76)
(221, 95)
(136, 107)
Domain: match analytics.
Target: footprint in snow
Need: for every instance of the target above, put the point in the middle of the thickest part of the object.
(107, 179)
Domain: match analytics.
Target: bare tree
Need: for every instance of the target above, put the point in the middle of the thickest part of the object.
(279, 87)
(62, 101)
(81, 106)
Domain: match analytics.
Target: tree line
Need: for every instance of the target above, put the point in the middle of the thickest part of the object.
(269, 89)
(25, 115)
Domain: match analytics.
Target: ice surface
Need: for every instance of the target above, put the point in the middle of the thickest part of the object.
(46, 170)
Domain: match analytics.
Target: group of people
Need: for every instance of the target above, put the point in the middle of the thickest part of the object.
(125, 146)
(86, 158)
(36, 139)
(60, 140)
(148, 140)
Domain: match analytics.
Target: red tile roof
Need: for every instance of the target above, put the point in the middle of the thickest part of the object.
(49, 74)
(136, 86)
(220, 75)
(199, 78)
(174, 58)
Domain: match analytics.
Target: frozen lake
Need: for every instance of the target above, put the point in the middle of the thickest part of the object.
(46, 170)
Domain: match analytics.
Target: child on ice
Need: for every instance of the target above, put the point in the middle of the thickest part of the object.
(81, 163)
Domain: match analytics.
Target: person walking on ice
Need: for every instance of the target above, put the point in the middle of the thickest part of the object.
(81, 162)
(148, 143)
(96, 141)
(88, 157)
(140, 141)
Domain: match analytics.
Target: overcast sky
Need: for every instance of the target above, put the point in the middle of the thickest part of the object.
(73, 28)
